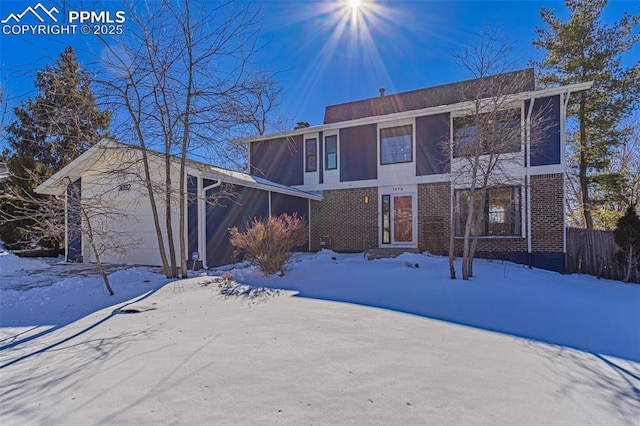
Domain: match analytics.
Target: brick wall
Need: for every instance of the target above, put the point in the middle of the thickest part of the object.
(497, 244)
(434, 217)
(547, 219)
(547, 213)
(344, 221)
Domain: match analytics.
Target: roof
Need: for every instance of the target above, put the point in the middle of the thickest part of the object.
(239, 178)
(460, 106)
(55, 185)
(430, 97)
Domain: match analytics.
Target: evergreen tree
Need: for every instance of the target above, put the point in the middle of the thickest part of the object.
(627, 236)
(48, 133)
(583, 49)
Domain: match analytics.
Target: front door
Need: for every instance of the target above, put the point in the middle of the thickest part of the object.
(397, 219)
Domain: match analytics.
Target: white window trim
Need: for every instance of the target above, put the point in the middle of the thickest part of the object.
(324, 152)
(465, 113)
(523, 231)
(397, 123)
(304, 150)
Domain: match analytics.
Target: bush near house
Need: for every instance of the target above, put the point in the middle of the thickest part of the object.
(269, 242)
(627, 236)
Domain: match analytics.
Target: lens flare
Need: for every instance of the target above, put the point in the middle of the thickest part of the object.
(356, 34)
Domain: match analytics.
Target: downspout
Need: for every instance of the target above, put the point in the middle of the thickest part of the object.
(66, 225)
(202, 223)
(249, 160)
(309, 223)
(563, 141)
(528, 180)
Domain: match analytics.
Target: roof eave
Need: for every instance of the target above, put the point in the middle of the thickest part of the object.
(281, 189)
(571, 88)
(55, 185)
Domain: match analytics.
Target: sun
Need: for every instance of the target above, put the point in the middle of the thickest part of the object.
(357, 8)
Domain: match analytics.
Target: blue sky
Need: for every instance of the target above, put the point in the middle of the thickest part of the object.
(323, 57)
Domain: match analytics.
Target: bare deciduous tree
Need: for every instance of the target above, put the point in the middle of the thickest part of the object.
(4, 108)
(185, 80)
(487, 138)
(45, 216)
(104, 224)
(93, 211)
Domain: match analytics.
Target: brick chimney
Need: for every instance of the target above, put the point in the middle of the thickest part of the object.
(382, 107)
(301, 125)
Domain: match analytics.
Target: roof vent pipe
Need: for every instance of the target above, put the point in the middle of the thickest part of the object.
(301, 125)
(381, 91)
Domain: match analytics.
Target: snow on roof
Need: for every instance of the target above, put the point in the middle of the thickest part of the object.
(56, 185)
(245, 179)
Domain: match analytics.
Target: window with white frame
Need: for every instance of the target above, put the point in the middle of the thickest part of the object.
(331, 152)
(499, 212)
(311, 150)
(497, 132)
(396, 145)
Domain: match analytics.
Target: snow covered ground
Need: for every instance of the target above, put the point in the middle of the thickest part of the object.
(409, 346)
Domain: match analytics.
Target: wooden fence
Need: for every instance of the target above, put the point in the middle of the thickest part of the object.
(594, 252)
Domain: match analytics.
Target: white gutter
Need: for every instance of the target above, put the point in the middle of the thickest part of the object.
(416, 112)
(563, 118)
(202, 212)
(66, 225)
(309, 224)
(563, 137)
(527, 184)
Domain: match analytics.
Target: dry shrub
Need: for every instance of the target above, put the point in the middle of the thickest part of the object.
(269, 242)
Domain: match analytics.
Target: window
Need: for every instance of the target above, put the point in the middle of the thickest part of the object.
(386, 219)
(497, 132)
(499, 213)
(312, 155)
(464, 135)
(331, 152)
(396, 145)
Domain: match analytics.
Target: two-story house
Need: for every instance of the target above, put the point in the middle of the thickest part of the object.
(387, 171)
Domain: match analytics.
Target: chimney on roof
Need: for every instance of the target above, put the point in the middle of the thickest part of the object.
(382, 107)
(301, 125)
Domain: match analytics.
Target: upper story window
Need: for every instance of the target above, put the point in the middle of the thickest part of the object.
(499, 214)
(311, 150)
(497, 132)
(396, 145)
(331, 152)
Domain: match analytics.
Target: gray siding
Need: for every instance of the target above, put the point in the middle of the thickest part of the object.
(358, 153)
(192, 217)
(279, 160)
(251, 203)
(545, 131)
(432, 131)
